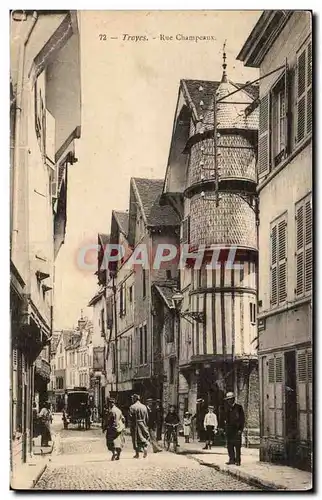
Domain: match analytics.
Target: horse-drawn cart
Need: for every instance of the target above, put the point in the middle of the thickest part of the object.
(77, 411)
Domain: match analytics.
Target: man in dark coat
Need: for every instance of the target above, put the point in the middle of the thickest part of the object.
(138, 414)
(152, 425)
(234, 426)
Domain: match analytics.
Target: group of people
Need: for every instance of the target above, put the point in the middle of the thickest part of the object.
(146, 424)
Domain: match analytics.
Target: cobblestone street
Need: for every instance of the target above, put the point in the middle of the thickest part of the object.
(81, 462)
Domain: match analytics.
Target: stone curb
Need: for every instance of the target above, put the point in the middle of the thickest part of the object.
(239, 474)
(40, 473)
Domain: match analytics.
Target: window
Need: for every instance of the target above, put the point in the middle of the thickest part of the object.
(279, 125)
(141, 345)
(144, 282)
(172, 363)
(131, 293)
(168, 274)
(252, 313)
(122, 299)
(113, 357)
(303, 254)
(129, 351)
(304, 91)
(278, 284)
(170, 324)
(102, 323)
(186, 230)
(145, 330)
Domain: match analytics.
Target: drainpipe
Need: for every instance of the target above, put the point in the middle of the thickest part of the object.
(17, 144)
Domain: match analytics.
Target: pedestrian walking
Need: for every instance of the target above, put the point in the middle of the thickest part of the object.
(152, 426)
(113, 424)
(138, 415)
(234, 426)
(159, 419)
(45, 419)
(187, 421)
(210, 425)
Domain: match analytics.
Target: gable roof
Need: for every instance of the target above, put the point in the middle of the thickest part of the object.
(122, 219)
(149, 192)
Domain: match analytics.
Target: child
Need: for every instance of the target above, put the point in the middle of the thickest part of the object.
(210, 424)
(187, 426)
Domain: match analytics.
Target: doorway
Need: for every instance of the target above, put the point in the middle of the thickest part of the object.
(290, 405)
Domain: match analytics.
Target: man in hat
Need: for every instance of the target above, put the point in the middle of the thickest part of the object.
(210, 425)
(139, 417)
(234, 426)
(113, 424)
(152, 425)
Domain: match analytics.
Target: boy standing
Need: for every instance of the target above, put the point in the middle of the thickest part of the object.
(210, 424)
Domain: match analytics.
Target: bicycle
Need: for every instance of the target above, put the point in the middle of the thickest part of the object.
(171, 435)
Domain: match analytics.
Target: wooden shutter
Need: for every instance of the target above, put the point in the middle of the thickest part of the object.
(263, 139)
(300, 250)
(282, 261)
(124, 298)
(309, 366)
(274, 265)
(271, 370)
(308, 245)
(279, 379)
(302, 367)
(301, 95)
(309, 89)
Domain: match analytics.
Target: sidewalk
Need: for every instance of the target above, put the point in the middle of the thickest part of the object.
(26, 475)
(262, 474)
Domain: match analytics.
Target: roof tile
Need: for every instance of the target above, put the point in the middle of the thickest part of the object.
(150, 191)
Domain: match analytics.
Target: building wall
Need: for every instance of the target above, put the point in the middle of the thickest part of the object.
(279, 196)
(286, 329)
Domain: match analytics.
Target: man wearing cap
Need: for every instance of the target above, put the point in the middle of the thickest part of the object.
(210, 425)
(139, 417)
(234, 426)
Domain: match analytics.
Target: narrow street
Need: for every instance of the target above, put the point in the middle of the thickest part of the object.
(82, 462)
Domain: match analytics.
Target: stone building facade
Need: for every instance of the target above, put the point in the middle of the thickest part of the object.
(44, 123)
(217, 210)
(134, 344)
(280, 45)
